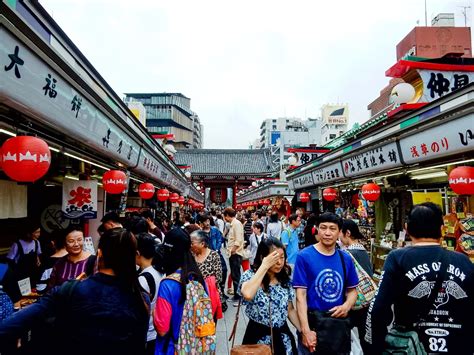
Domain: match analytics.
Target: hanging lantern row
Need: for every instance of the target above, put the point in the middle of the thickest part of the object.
(461, 180)
(146, 190)
(25, 158)
(114, 181)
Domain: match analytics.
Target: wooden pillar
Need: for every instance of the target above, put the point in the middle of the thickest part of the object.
(234, 195)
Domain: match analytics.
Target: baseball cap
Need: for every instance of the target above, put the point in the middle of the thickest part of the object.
(350, 225)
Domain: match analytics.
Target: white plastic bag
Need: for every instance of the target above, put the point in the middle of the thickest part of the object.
(356, 348)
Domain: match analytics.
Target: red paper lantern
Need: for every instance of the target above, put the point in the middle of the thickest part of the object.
(114, 181)
(181, 200)
(25, 158)
(461, 180)
(162, 195)
(371, 192)
(174, 197)
(267, 202)
(304, 197)
(329, 194)
(146, 190)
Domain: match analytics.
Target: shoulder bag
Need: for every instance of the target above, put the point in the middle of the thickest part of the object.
(366, 287)
(401, 340)
(254, 349)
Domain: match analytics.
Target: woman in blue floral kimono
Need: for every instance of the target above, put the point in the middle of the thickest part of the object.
(269, 281)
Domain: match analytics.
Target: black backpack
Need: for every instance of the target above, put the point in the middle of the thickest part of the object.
(151, 284)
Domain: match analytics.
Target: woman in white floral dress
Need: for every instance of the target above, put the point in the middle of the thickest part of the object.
(269, 281)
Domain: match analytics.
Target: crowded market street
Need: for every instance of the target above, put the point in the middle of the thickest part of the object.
(135, 223)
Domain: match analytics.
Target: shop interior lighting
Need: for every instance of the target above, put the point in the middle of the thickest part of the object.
(442, 165)
(86, 161)
(54, 149)
(135, 179)
(7, 132)
(71, 177)
(435, 174)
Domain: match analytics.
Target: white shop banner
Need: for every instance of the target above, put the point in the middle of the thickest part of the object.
(79, 199)
(453, 137)
(376, 159)
(332, 172)
(302, 181)
(439, 83)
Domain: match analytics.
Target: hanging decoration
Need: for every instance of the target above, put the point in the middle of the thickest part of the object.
(304, 197)
(266, 202)
(218, 195)
(181, 200)
(114, 181)
(25, 158)
(370, 192)
(146, 190)
(162, 195)
(329, 194)
(174, 197)
(461, 180)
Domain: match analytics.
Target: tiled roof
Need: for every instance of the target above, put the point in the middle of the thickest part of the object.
(226, 161)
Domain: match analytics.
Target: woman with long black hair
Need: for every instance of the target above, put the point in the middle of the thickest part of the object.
(104, 314)
(179, 265)
(269, 282)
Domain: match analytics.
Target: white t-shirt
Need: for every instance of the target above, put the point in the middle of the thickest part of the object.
(220, 224)
(13, 253)
(151, 335)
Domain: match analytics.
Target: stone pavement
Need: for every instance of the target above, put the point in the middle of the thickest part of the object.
(224, 328)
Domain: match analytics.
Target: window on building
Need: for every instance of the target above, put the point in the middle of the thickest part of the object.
(274, 127)
(332, 136)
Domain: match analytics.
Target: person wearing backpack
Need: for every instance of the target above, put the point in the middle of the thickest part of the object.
(24, 261)
(177, 330)
(149, 279)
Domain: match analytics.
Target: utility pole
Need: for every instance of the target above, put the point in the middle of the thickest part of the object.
(464, 12)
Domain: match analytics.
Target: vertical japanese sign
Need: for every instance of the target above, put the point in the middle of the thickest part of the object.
(439, 83)
(383, 157)
(79, 199)
(455, 136)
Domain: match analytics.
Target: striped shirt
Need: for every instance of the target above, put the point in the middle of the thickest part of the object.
(65, 270)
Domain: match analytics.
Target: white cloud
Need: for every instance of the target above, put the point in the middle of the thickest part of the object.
(241, 62)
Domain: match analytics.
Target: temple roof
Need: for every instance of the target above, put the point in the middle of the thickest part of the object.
(232, 162)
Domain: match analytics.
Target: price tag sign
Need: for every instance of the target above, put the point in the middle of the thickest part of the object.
(25, 286)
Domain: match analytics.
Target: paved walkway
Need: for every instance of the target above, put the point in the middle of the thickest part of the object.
(224, 328)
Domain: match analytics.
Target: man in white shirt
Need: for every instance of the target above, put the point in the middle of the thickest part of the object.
(235, 247)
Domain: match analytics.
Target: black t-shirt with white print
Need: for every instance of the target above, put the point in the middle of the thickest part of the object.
(407, 280)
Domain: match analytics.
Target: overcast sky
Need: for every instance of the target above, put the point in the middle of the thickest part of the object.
(243, 61)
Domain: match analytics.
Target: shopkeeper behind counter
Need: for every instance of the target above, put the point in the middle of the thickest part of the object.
(23, 261)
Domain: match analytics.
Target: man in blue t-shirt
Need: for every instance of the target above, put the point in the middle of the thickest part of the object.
(289, 238)
(321, 287)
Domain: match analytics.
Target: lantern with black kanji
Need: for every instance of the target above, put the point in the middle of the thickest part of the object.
(304, 197)
(329, 194)
(218, 195)
(174, 197)
(25, 158)
(162, 195)
(461, 180)
(114, 181)
(181, 200)
(146, 190)
(370, 192)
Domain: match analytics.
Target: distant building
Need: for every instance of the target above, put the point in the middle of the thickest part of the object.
(284, 133)
(139, 110)
(170, 113)
(440, 40)
(335, 119)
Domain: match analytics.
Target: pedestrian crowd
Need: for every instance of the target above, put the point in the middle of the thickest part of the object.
(158, 286)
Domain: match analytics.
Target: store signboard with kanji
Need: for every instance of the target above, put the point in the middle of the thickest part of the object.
(302, 181)
(79, 199)
(380, 158)
(328, 173)
(31, 82)
(439, 83)
(453, 137)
